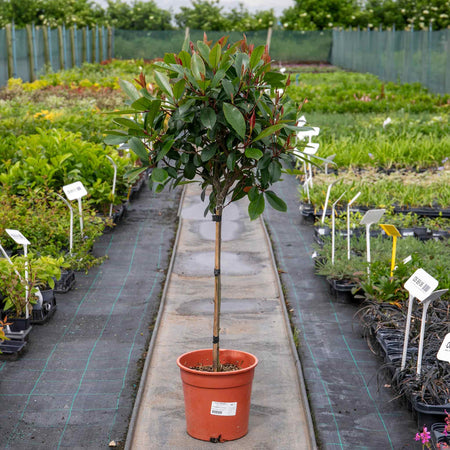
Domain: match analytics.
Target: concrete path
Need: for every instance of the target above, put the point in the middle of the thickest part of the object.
(253, 320)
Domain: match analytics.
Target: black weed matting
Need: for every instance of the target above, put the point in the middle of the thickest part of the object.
(352, 406)
(74, 387)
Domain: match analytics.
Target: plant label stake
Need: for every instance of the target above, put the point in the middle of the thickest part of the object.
(20, 239)
(370, 217)
(426, 303)
(348, 222)
(76, 191)
(327, 197)
(444, 351)
(333, 226)
(114, 183)
(71, 222)
(420, 285)
(391, 230)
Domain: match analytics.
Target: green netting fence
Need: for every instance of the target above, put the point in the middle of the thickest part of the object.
(285, 46)
(398, 56)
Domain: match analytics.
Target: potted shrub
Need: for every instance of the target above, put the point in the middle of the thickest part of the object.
(216, 115)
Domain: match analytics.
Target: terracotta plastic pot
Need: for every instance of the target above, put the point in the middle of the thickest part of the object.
(217, 404)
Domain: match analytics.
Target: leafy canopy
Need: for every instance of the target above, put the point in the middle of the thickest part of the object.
(217, 115)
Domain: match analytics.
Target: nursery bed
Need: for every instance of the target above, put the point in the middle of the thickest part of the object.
(75, 385)
(351, 407)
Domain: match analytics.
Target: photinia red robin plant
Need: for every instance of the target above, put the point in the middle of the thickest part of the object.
(217, 115)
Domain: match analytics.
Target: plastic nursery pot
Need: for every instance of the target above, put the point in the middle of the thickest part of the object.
(217, 404)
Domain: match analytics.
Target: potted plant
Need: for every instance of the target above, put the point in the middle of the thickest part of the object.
(216, 115)
(20, 295)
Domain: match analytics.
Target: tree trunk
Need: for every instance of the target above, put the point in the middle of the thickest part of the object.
(217, 217)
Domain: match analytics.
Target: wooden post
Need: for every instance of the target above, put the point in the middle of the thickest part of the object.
(84, 45)
(269, 38)
(217, 217)
(100, 44)
(30, 46)
(10, 50)
(110, 43)
(46, 47)
(72, 47)
(94, 44)
(62, 65)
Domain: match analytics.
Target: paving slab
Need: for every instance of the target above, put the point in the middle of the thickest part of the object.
(253, 320)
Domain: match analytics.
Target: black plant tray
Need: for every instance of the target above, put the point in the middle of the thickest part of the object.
(427, 415)
(438, 436)
(65, 283)
(11, 349)
(42, 313)
(342, 290)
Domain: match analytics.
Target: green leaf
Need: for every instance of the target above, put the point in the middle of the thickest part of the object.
(115, 140)
(256, 56)
(235, 118)
(197, 66)
(163, 82)
(169, 58)
(130, 90)
(203, 49)
(253, 194)
(228, 87)
(142, 104)
(166, 147)
(274, 171)
(217, 78)
(127, 123)
(268, 131)
(132, 174)
(178, 88)
(189, 171)
(256, 207)
(215, 55)
(153, 112)
(185, 58)
(275, 202)
(208, 117)
(231, 161)
(159, 175)
(275, 79)
(139, 148)
(208, 153)
(253, 153)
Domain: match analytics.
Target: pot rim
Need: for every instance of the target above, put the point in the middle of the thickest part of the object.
(217, 374)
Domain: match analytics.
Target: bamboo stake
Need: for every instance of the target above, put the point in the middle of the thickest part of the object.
(217, 217)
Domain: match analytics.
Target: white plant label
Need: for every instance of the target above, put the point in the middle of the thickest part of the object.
(407, 259)
(421, 284)
(18, 237)
(223, 409)
(444, 351)
(75, 190)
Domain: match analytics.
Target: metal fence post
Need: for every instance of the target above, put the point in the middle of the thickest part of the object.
(72, 47)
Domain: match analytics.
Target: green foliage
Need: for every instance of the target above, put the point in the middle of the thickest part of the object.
(140, 15)
(42, 272)
(344, 92)
(51, 159)
(210, 117)
(320, 14)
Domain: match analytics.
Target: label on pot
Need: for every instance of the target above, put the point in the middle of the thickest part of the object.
(223, 409)
(444, 351)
